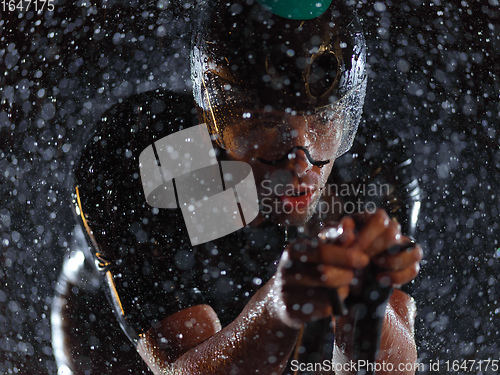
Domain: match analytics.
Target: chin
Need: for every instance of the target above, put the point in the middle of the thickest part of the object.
(293, 218)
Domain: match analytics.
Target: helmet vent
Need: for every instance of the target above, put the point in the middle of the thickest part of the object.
(322, 74)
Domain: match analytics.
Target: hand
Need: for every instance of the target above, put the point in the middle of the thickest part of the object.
(310, 267)
(377, 236)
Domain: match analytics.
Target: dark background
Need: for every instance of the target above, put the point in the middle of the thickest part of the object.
(433, 78)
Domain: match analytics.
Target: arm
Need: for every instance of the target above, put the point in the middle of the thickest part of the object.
(256, 340)
(361, 243)
(397, 344)
(263, 336)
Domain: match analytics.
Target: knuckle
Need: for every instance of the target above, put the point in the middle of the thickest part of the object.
(394, 227)
(419, 253)
(407, 275)
(380, 216)
(347, 221)
(393, 233)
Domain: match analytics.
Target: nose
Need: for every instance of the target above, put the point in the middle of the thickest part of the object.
(296, 129)
(298, 162)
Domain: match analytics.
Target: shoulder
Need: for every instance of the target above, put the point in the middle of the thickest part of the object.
(106, 175)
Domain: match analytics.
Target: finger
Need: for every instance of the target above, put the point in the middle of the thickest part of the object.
(383, 235)
(374, 227)
(407, 244)
(342, 256)
(398, 262)
(398, 278)
(332, 255)
(317, 276)
(389, 238)
(348, 235)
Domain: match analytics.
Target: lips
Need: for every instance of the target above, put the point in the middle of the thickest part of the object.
(298, 199)
(294, 193)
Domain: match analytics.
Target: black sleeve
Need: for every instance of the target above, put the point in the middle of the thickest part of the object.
(142, 252)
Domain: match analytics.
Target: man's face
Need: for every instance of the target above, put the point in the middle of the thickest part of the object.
(291, 155)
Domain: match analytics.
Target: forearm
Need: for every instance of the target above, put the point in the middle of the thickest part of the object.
(257, 341)
(397, 345)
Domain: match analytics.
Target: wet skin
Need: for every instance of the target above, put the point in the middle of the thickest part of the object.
(290, 189)
(192, 341)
